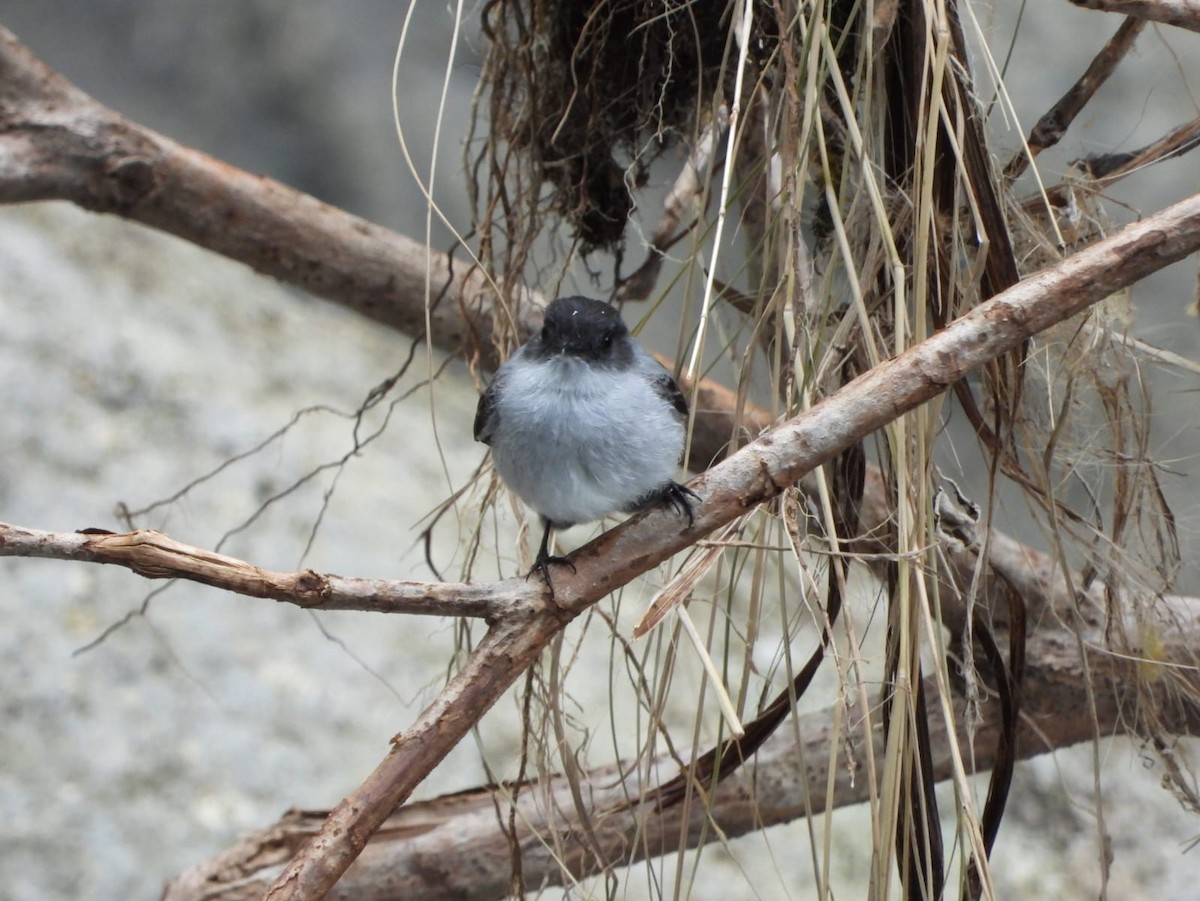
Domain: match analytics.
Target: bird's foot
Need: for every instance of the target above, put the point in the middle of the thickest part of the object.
(680, 497)
(542, 565)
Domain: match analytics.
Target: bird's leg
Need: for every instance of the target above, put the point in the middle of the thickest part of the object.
(545, 558)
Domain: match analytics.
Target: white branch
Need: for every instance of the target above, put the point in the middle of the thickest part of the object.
(1181, 13)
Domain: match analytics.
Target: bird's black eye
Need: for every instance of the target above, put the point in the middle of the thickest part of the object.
(607, 341)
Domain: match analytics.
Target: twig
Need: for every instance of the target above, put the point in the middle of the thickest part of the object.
(155, 556)
(1108, 168)
(1050, 129)
(685, 195)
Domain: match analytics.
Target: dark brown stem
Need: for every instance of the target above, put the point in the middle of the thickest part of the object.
(1108, 168)
(1050, 129)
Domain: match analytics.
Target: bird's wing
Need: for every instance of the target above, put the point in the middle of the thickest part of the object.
(668, 389)
(486, 414)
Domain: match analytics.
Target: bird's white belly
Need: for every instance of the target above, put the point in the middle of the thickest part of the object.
(577, 444)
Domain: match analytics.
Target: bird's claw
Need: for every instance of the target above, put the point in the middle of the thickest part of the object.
(542, 565)
(681, 498)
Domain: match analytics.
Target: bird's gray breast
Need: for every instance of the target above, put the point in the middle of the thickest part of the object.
(577, 442)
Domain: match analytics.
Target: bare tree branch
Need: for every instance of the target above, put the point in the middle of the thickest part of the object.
(155, 556)
(1051, 127)
(1111, 166)
(57, 143)
(685, 196)
(1183, 13)
(458, 845)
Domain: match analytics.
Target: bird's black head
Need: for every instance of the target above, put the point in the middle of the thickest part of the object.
(589, 329)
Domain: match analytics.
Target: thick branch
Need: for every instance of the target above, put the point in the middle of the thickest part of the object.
(57, 143)
(1183, 13)
(155, 556)
(457, 845)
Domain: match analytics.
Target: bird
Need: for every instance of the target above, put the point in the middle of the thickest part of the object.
(583, 422)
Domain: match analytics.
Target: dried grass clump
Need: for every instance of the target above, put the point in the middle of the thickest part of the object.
(586, 95)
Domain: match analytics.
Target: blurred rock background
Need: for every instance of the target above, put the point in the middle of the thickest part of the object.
(131, 363)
